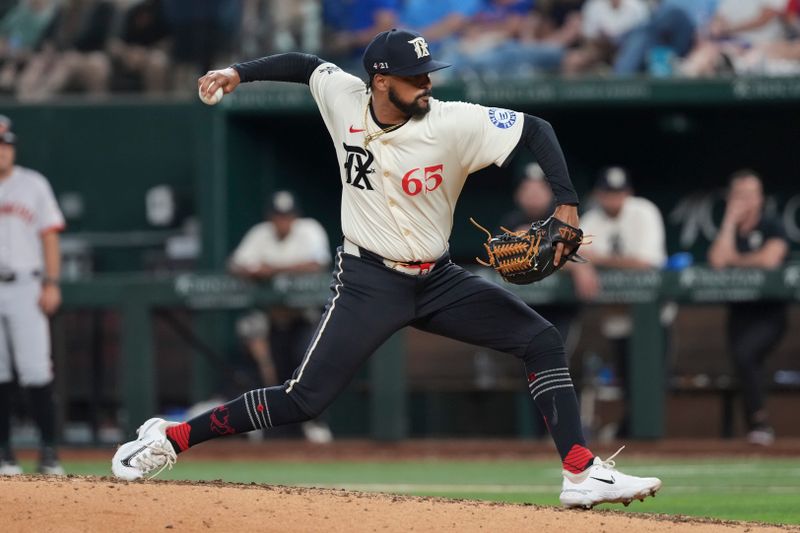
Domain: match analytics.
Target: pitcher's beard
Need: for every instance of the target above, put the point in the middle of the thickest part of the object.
(413, 109)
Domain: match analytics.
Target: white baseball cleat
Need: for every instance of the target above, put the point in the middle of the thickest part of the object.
(10, 468)
(49, 464)
(150, 451)
(602, 483)
(51, 470)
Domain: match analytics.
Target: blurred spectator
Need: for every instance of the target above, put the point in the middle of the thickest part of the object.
(496, 23)
(296, 25)
(73, 54)
(535, 201)
(351, 25)
(792, 18)
(256, 36)
(140, 52)
(776, 57)
(605, 24)
(441, 23)
(204, 34)
(737, 26)
(21, 31)
(506, 38)
(283, 244)
(627, 232)
(280, 26)
(5, 124)
(672, 30)
(750, 238)
(557, 22)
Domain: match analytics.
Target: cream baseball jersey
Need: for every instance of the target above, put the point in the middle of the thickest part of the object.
(28, 208)
(400, 189)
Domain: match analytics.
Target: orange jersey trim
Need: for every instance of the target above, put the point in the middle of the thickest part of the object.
(56, 227)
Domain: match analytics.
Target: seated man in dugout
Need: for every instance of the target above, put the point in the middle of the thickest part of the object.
(751, 238)
(276, 339)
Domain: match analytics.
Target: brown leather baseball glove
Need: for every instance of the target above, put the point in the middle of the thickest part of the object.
(526, 256)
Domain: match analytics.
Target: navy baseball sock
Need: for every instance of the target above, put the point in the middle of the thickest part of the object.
(43, 410)
(551, 388)
(5, 415)
(257, 409)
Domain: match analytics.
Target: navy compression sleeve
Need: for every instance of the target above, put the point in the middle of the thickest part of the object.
(293, 66)
(539, 137)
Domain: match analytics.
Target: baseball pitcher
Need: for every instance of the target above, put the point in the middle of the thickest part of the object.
(403, 159)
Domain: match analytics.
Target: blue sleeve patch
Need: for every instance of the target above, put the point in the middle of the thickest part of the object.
(502, 118)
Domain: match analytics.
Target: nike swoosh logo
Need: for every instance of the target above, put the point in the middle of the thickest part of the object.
(354, 130)
(604, 480)
(127, 460)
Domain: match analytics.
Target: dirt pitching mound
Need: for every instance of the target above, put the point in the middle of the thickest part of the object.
(34, 503)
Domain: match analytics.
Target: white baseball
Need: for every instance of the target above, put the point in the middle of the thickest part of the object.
(213, 99)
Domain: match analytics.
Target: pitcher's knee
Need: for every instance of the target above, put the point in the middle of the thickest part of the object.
(304, 405)
(311, 407)
(546, 344)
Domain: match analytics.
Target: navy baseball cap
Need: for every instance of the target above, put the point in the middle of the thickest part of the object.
(613, 179)
(400, 52)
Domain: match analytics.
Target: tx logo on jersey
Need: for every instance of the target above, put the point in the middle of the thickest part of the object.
(420, 47)
(357, 166)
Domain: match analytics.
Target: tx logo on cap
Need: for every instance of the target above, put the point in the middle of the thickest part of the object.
(420, 47)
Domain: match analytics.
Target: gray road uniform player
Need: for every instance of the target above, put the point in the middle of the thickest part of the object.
(29, 268)
(403, 159)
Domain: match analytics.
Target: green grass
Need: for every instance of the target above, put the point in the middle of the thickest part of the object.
(765, 490)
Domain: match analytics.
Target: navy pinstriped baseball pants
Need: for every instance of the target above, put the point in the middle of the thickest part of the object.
(370, 302)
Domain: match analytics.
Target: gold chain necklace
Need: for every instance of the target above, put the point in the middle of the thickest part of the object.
(369, 137)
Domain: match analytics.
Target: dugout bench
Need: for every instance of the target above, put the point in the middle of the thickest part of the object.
(137, 296)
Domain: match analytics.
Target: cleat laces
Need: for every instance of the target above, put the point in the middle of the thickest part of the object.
(609, 463)
(158, 455)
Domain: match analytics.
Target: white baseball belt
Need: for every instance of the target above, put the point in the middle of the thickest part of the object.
(412, 269)
(11, 276)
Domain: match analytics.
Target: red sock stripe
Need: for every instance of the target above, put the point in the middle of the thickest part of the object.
(577, 459)
(180, 435)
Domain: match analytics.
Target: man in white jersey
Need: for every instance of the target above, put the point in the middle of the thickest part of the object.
(29, 270)
(284, 243)
(627, 231)
(403, 159)
(627, 234)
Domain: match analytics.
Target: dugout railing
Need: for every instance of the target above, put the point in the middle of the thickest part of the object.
(137, 297)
